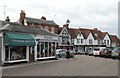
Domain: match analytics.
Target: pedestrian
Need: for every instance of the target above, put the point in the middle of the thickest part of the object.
(67, 53)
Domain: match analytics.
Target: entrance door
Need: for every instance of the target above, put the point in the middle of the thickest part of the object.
(31, 54)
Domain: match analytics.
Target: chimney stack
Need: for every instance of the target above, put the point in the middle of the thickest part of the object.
(22, 17)
(7, 19)
(43, 18)
(95, 28)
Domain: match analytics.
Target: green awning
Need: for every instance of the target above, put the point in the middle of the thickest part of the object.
(12, 39)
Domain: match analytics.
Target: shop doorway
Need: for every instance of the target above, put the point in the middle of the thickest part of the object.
(31, 54)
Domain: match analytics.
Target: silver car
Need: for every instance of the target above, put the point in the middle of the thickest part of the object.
(61, 53)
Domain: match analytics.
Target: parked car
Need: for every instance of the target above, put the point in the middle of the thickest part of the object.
(116, 53)
(108, 51)
(61, 53)
(71, 53)
(102, 53)
(76, 52)
(86, 52)
(90, 53)
(96, 51)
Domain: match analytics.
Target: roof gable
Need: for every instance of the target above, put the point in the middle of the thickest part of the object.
(85, 32)
(73, 32)
(64, 29)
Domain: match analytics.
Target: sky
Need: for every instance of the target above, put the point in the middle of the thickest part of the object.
(100, 14)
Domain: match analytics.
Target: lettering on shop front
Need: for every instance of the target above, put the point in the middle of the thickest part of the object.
(22, 41)
(47, 37)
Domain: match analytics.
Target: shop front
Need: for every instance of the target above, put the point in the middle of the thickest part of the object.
(16, 47)
(45, 47)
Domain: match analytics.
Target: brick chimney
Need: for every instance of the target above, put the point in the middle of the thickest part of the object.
(22, 17)
(65, 25)
(95, 28)
(7, 19)
(43, 18)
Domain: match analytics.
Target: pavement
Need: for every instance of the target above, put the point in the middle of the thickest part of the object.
(32, 63)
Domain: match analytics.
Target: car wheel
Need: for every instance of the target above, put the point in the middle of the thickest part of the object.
(59, 56)
(73, 56)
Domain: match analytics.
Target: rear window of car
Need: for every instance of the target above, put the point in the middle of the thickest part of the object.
(117, 50)
(96, 49)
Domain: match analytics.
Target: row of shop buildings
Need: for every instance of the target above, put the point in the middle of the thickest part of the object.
(24, 43)
(31, 39)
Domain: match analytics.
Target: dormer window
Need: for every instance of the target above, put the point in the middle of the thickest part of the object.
(52, 29)
(96, 34)
(46, 28)
(32, 25)
(39, 26)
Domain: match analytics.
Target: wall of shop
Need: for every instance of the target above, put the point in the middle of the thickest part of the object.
(0, 48)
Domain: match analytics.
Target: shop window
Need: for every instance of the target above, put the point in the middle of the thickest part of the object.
(42, 49)
(50, 48)
(53, 49)
(46, 49)
(6, 53)
(38, 50)
(16, 53)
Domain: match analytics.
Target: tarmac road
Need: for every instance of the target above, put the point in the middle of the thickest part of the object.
(81, 65)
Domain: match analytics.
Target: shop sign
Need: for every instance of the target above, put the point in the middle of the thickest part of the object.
(22, 41)
(47, 37)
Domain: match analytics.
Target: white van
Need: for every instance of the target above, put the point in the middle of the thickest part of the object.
(96, 51)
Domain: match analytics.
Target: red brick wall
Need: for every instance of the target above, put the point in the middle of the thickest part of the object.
(43, 26)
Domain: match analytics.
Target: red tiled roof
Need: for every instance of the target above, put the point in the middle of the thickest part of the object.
(73, 32)
(85, 32)
(100, 35)
(114, 38)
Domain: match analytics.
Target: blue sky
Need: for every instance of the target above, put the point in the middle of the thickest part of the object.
(81, 13)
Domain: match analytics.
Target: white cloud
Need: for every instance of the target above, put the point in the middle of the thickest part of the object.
(82, 13)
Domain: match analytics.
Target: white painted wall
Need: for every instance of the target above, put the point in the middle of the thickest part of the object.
(80, 37)
(107, 38)
(90, 36)
(64, 29)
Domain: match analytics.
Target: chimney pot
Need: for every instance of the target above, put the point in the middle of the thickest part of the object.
(22, 17)
(43, 18)
(7, 19)
(95, 28)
